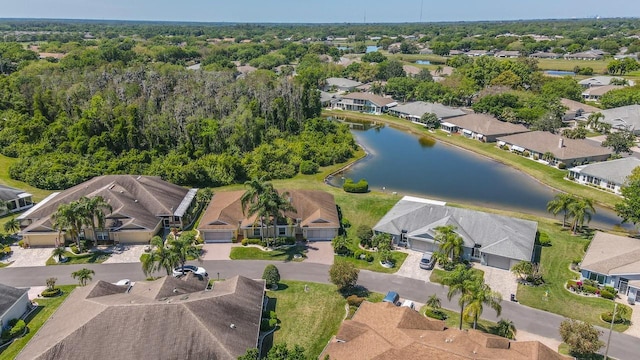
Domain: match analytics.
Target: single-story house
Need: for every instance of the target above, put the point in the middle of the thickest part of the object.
(14, 199)
(315, 219)
(610, 175)
(576, 109)
(570, 152)
(366, 102)
(585, 55)
(414, 110)
(13, 304)
(340, 84)
(494, 240)
(384, 331)
(594, 93)
(411, 70)
(484, 127)
(612, 260)
(623, 118)
(545, 55)
(597, 81)
(142, 206)
(168, 318)
(328, 99)
(478, 53)
(507, 54)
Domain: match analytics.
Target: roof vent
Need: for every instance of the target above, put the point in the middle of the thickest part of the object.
(233, 326)
(139, 177)
(135, 201)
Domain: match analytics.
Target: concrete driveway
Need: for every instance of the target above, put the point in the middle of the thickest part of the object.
(411, 266)
(502, 281)
(220, 251)
(320, 252)
(29, 257)
(122, 254)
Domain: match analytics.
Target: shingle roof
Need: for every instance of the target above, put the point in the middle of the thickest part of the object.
(610, 254)
(597, 81)
(186, 323)
(137, 201)
(615, 171)
(342, 82)
(8, 296)
(376, 99)
(600, 90)
(497, 234)
(576, 105)
(622, 117)
(8, 193)
(543, 141)
(486, 125)
(316, 209)
(419, 108)
(382, 331)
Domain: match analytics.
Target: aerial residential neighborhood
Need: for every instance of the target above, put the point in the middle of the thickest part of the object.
(262, 181)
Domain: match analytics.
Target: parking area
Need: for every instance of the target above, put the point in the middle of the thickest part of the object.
(124, 254)
(502, 281)
(29, 257)
(219, 251)
(320, 252)
(411, 266)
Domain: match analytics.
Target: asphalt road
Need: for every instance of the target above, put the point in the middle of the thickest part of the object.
(535, 321)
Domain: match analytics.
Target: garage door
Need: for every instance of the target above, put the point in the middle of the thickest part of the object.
(217, 236)
(321, 234)
(498, 261)
(420, 245)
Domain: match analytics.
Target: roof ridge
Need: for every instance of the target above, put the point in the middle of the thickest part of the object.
(203, 326)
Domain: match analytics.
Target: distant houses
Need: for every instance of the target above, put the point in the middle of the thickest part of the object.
(596, 92)
(366, 102)
(586, 55)
(483, 127)
(340, 84)
(623, 118)
(14, 200)
(554, 149)
(413, 111)
(609, 175)
(13, 304)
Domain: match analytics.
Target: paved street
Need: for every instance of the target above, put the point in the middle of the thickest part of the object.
(530, 320)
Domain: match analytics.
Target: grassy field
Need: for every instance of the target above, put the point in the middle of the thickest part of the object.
(438, 274)
(254, 253)
(308, 318)
(5, 162)
(598, 66)
(46, 307)
(97, 257)
(398, 258)
(548, 175)
(555, 263)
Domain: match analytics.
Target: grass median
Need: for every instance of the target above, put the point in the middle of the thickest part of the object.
(96, 257)
(255, 253)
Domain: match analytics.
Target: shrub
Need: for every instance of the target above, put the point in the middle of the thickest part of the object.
(562, 166)
(244, 242)
(589, 289)
(74, 249)
(7, 250)
(368, 257)
(21, 244)
(543, 239)
(345, 223)
(436, 314)
(50, 293)
(607, 295)
(576, 261)
(359, 254)
(264, 325)
(17, 329)
(308, 167)
(364, 233)
(611, 289)
(271, 275)
(362, 186)
(273, 323)
(354, 300)
(536, 157)
(273, 315)
(199, 240)
(607, 315)
(504, 147)
(343, 274)
(526, 153)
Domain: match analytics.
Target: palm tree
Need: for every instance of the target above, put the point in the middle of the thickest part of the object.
(83, 275)
(580, 210)
(93, 210)
(449, 241)
(65, 219)
(505, 328)
(12, 225)
(183, 248)
(252, 200)
(434, 302)
(480, 294)
(59, 252)
(561, 203)
(593, 121)
(459, 281)
(159, 258)
(276, 205)
(3, 206)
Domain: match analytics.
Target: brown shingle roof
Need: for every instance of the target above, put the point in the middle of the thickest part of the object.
(376, 99)
(543, 141)
(137, 201)
(218, 324)
(600, 90)
(383, 331)
(486, 125)
(576, 105)
(610, 254)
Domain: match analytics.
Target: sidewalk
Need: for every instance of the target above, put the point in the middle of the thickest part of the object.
(634, 328)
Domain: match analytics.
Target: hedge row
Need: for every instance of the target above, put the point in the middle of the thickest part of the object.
(361, 186)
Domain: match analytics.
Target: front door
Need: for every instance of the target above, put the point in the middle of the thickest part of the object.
(623, 286)
(475, 253)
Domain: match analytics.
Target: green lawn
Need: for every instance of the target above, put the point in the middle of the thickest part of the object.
(254, 253)
(46, 307)
(598, 66)
(96, 257)
(564, 349)
(555, 263)
(398, 257)
(438, 274)
(453, 320)
(5, 162)
(308, 318)
(548, 175)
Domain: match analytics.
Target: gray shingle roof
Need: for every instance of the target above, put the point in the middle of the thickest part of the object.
(8, 296)
(622, 117)
(419, 108)
(8, 193)
(597, 81)
(497, 234)
(165, 319)
(610, 254)
(615, 171)
(342, 82)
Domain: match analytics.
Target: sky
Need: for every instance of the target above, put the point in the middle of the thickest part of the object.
(317, 11)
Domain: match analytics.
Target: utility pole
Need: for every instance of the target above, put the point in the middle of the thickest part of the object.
(613, 318)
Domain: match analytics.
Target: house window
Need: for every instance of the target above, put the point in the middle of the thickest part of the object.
(599, 278)
(256, 231)
(611, 186)
(102, 235)
(176, 219)
(282, 231)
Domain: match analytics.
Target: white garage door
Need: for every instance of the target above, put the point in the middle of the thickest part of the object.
(321, 234)
(217, 236)
(498, 261)
(420, 245)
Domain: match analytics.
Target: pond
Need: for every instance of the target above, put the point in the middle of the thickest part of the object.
(410, 165)
(559, 73)
(372, 48)
(423, 62)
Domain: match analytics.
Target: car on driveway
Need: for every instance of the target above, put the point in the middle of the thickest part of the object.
(196, 270)
(427, 261)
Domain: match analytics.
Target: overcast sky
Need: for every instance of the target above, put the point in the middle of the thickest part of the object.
(317, 11)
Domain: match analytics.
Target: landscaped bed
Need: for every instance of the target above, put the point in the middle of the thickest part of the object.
(398, 259)
(438, 274)
(292, 253)
(96, 257)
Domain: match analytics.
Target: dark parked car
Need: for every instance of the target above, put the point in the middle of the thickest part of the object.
(427, 261)
(392, 297)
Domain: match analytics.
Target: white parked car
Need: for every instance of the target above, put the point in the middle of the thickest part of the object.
(123, 282)
(200, 271)
(409, 304)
